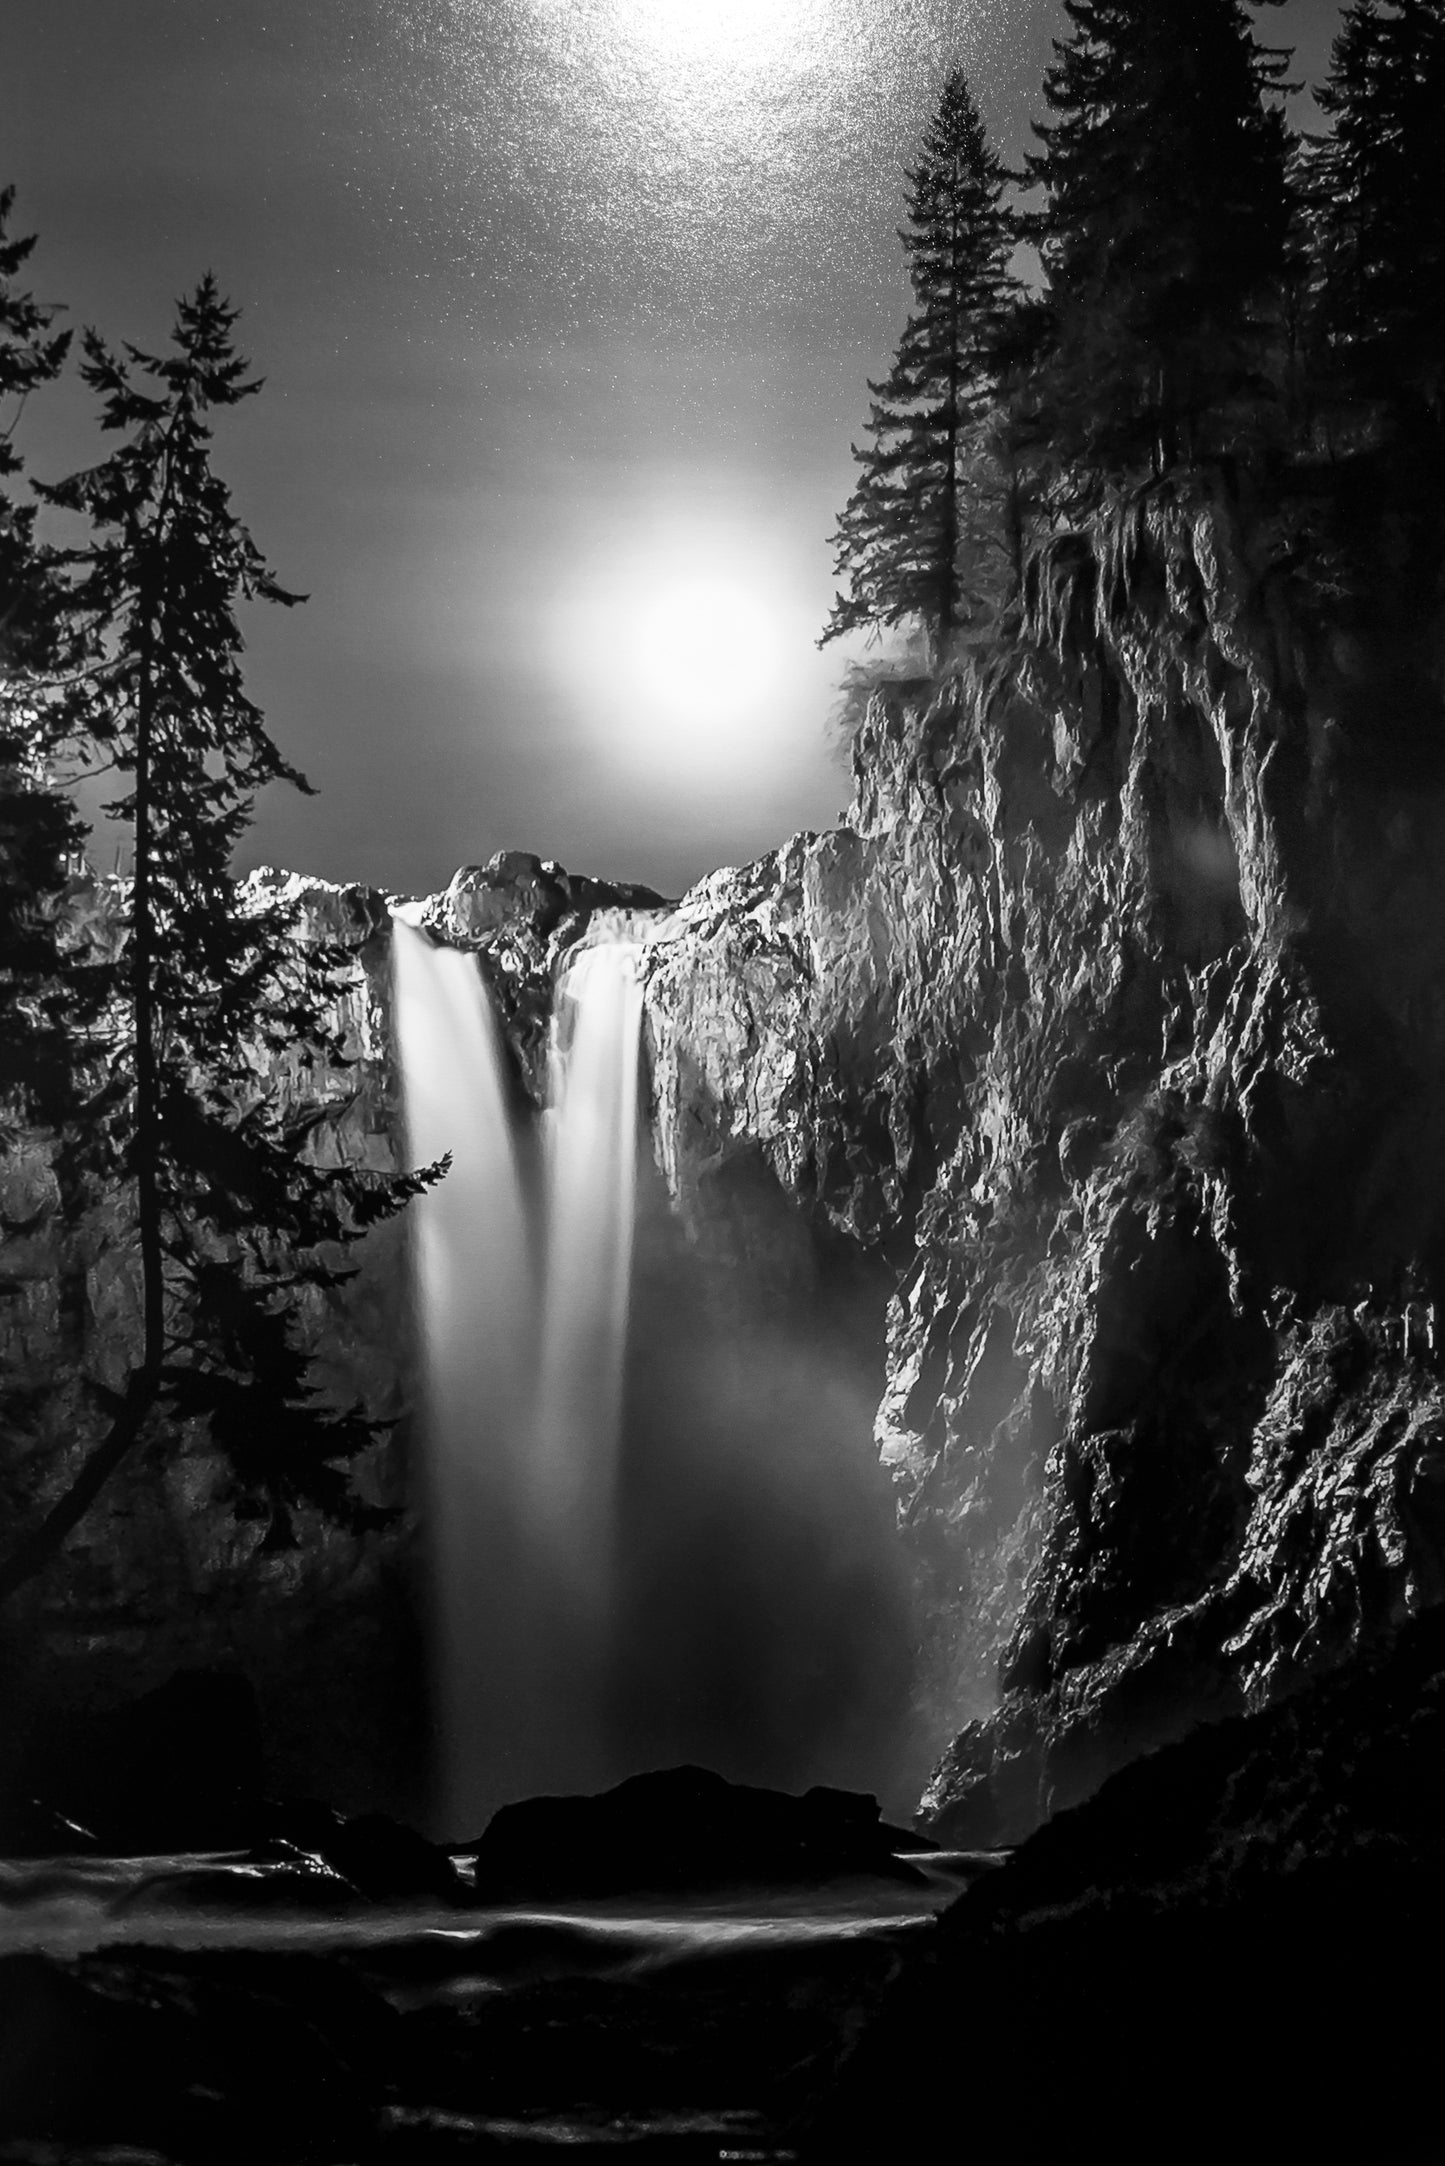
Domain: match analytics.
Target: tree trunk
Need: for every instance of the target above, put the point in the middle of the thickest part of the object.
(146, 1144)
(37, 1548)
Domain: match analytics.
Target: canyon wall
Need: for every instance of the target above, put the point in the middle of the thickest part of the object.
(1111, 1023)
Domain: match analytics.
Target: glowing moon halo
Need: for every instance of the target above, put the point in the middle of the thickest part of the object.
(709, 73)
(681, 654)
(704, 648)
(745, 34)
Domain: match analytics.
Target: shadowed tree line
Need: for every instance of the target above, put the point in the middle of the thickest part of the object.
(137, 1052)
(1213, 293)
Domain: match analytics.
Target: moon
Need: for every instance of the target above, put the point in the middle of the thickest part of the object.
(681, 648)
(704, 649)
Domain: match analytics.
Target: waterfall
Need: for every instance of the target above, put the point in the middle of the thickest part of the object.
(476, 1303)
(521, 1425)
(591, 1183)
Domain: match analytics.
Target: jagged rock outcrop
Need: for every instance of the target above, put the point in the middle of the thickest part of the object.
(519, 915)
(1111, 1021)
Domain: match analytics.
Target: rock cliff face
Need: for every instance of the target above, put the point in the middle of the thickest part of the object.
(1111, 1023)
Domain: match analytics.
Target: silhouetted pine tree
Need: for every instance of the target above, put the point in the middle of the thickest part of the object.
(1382, 220)
(233, 1219)
(49, 986)
(916, 537)
(1162, 234)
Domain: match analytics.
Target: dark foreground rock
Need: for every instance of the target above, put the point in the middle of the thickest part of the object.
(428, 2050)
(684, 1828)
(213, 2058)
(178, 1768)
(1232, 1951)
(376, 1856)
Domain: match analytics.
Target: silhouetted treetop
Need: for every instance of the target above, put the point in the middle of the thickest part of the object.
(913, 540)
(1381, 214)
(1162, 234)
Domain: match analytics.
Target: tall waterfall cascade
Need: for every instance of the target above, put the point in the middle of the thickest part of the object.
(591, 1166)
(476, 1308)
(523, 1318)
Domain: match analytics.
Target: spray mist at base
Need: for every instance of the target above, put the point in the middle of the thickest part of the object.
(655, 1528)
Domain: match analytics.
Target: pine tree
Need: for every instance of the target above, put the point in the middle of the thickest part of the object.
(234, 1220)
(918, 533)
(1382, 230)
(30, 355)
(1162, 233)
(49, 986)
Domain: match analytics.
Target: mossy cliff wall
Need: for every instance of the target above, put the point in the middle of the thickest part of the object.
(1113, 1023)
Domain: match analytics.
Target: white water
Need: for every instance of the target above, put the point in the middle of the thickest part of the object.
(591, 1208)
(521, 1427)
(476, 1301)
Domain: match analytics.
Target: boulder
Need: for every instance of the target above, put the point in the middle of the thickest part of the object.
(370, 1853)
(681, 1829)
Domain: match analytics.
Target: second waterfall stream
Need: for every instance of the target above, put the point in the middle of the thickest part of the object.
(522, 1289)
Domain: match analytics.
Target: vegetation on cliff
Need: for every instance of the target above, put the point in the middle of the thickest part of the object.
(1219, 305)
(917, 537)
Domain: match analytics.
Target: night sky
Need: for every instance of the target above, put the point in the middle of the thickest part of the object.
(565, 309)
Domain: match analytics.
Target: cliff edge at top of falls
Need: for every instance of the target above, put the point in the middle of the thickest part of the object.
(1111, 1023)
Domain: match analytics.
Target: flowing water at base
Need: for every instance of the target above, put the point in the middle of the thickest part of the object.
(628, 2021)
